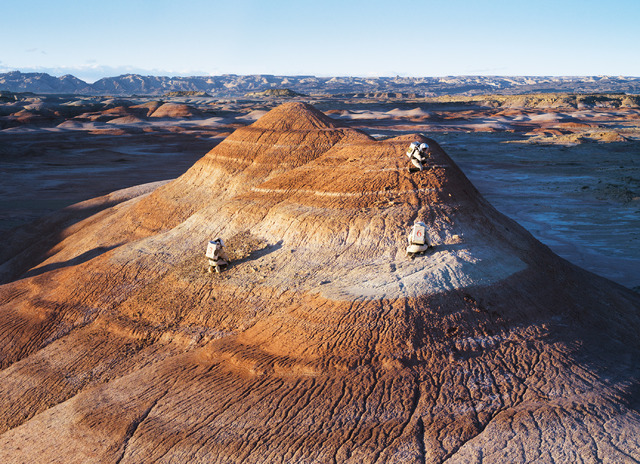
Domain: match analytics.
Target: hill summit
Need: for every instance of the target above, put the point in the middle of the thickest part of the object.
(323, 341)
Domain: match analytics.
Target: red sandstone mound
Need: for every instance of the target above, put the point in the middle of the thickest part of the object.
(146, 109)
(322, 342)
(175, 110)
(130, 119)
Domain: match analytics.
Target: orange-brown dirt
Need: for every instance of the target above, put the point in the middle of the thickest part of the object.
(322, 342)
(173, 110)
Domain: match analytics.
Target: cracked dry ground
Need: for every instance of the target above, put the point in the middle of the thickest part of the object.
(322, 342)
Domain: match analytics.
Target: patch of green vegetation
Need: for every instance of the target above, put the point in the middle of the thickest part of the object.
(282, 93)
(187, 93)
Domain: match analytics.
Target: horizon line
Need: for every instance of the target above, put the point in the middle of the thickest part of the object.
(397, 76)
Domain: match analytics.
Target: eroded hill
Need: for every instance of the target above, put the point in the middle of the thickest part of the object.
(322, 342)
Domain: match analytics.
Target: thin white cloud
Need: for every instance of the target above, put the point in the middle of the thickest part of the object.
(35, 50)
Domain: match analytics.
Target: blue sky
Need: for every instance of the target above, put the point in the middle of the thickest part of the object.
(97, 38)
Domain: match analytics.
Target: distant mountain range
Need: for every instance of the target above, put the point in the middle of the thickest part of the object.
(233, 85)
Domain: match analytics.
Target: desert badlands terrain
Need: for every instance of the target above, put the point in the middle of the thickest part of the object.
(323, 341)
(564, 166)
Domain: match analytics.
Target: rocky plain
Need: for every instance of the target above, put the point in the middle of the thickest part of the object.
(513, 340)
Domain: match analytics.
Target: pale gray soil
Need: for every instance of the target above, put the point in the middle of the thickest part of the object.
(581, 201)
(41, 172)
